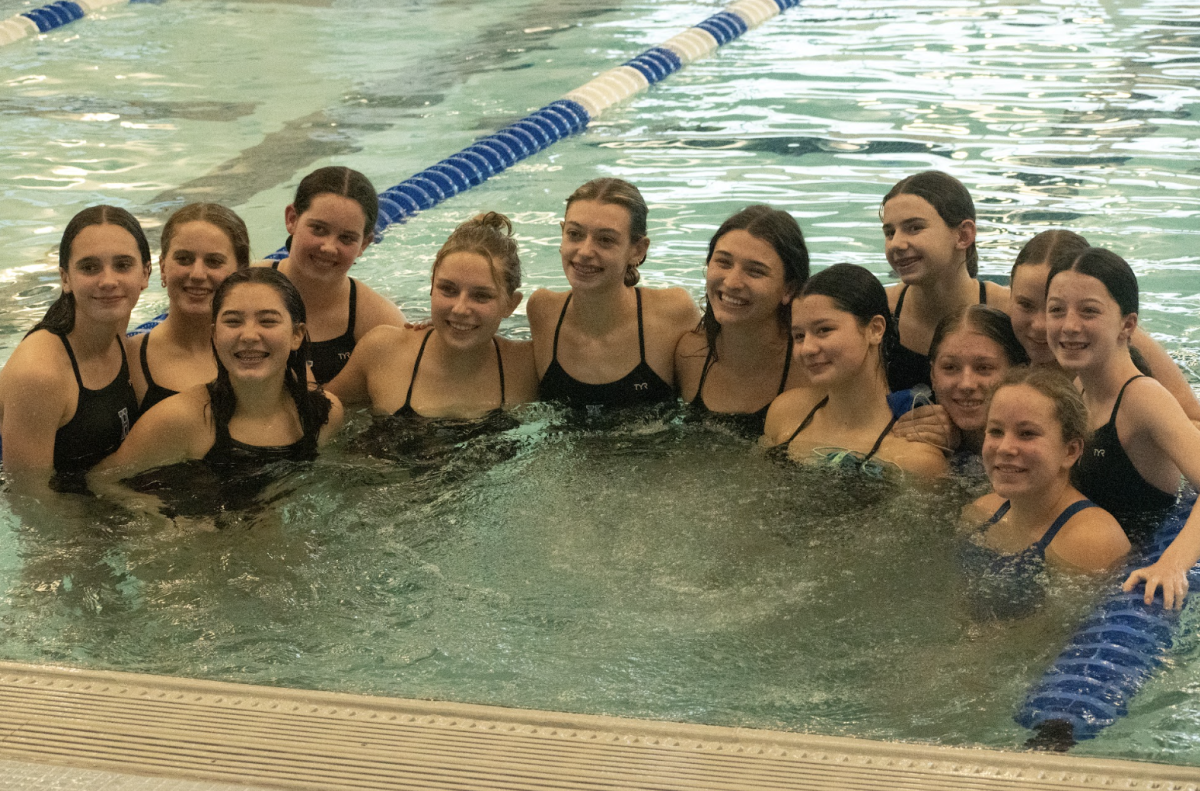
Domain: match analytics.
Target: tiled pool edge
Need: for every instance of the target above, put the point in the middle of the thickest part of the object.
(282, 738)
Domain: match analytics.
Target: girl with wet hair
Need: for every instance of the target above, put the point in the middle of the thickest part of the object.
(66, 400)
(457, 368)
(604, 342)
(1036, 425)
(843, 333)
(260, 409)
(1027, 307)
(739, 358)
(929, 239)
(972, 349)
(1141, 440)
(202, 244)
(331, 222)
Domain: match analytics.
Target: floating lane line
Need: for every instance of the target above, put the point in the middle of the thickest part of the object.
(562, 118)
(49, 17)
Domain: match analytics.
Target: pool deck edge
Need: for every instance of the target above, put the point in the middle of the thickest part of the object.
(285, 738)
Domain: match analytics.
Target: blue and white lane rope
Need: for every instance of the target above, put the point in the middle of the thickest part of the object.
(48, 17)
(492, 154)
(1113, 653)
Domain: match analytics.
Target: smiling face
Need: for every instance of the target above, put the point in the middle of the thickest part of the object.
(467, 302)
(254, 333)
(830, 342)
(968, 368)
(199, 259)
(744, 279)
(918, 243)
(1023, 447)
(1084, 323)
(328, 236)
(105, 273)
(1027, 309)
(596, 248)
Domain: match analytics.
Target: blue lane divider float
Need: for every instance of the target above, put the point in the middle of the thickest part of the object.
(1110, 657)
(51, 16)
(571, 114)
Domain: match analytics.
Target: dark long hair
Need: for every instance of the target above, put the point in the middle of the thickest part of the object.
(338, 181)
(949, 198)
(991, 323)
(1110, 269)
(778, 229)
(60, 318)
(858, 292)
(311, 402)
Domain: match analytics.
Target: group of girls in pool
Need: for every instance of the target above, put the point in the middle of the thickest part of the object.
(1084, 424)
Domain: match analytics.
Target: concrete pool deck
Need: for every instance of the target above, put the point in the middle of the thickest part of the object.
(119, 730)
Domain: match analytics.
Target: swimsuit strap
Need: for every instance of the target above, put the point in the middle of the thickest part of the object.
(708, 360)
(787, 366)
(1063, 518)
(982, 293)
(1112, 418)
(416, 365)
(74, 362)
(879, 441)
(804, 423)
(275, 264)
(499, 367)
(353, 305)
(557, 327)
(1000, 512)
(145, 362)
(641, 335)
(899, 304)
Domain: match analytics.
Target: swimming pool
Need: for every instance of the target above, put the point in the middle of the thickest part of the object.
(562, 577)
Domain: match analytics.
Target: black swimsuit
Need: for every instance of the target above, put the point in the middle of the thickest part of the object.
(408, 436)
(229, 480)
(906, 368)
(102, 419)
(1105, 474)
(782, 448)
(328, 358)
(749, 424)
(408, 411)
(641, 386)
(1006, 586)
(154, 391)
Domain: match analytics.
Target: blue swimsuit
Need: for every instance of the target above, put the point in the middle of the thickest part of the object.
(1007, 586)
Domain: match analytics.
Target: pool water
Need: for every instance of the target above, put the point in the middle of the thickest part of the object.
(655, 571)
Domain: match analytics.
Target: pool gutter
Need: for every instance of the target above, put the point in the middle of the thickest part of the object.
(281, 738)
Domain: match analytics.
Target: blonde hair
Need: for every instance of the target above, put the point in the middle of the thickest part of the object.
(489, 235)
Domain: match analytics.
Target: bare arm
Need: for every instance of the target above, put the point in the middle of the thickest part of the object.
(1179, 440)
(36, 397)
(1167, 373)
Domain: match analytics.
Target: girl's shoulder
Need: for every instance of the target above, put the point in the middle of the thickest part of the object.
(787, 410)
(976, 513)
(693, 343)
(39, 358)
(997, 295)
(674, 302)
(544, 302)
(1091, 540)
(374, 310)
(918, 458)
